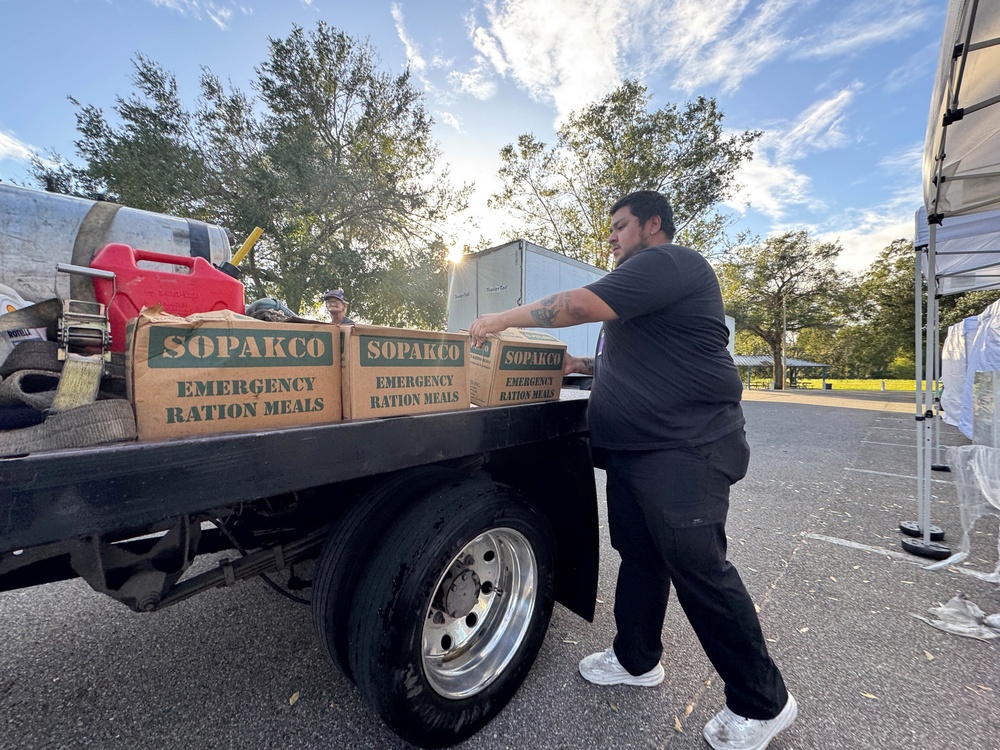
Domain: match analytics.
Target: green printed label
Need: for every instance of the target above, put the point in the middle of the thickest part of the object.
(531, 358)
(484, 350)
(173, 347)
(388, 351)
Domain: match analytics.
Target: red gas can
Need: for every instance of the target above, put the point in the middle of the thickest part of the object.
(202, 289)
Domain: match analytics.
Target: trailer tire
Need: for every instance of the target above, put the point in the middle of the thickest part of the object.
(452, 612)
(347, 552)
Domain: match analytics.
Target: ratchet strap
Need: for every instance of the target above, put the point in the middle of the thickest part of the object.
(64, 385)
(80, 378)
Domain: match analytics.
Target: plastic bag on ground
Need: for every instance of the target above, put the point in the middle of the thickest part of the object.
(962, 617)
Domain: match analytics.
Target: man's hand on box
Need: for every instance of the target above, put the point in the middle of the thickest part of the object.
(486, 325)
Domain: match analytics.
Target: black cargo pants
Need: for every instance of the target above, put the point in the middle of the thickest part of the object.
(667, 517)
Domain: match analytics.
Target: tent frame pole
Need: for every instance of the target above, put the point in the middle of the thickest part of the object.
(926, 545)
(928, 437)
(918, 376)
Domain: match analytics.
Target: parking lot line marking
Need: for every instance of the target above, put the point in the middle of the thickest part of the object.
(866, 548)
(887, 474)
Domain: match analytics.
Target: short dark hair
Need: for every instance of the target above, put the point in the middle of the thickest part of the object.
(645, 204)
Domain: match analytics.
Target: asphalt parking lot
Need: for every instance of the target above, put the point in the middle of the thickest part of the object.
(813, 530)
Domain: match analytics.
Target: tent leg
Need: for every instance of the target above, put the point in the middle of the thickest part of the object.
(921, 539)
(938, 464)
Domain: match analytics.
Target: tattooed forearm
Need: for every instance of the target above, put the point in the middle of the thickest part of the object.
(544, 317)
(549, 307)
(587, 363)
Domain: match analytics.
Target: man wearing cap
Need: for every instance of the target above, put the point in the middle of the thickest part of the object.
(336, 305)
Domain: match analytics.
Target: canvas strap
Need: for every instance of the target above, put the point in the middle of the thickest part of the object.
(91, 235)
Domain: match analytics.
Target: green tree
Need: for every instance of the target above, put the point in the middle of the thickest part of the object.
(150, 161)
(333, 158)
(875, 326)
(877, 339)
(883, 304)
(559, 195)
(787, 283)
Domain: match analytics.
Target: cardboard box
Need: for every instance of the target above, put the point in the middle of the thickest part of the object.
(516, 367)
(224, 372)
(393, 371)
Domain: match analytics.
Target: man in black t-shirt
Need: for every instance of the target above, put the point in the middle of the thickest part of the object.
(666, 422)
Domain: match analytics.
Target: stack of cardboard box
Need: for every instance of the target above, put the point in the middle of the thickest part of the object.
(223, 372)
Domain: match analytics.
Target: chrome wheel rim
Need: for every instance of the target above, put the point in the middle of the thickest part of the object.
(479, 613)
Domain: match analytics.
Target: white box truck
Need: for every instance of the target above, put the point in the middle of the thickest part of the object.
(513, 274)
(509, 275)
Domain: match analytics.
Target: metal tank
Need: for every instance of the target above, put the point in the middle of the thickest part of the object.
(39, 230)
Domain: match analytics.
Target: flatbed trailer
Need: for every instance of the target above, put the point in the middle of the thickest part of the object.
(433, 545)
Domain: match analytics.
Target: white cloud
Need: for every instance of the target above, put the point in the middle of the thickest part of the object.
(218, 13)
(476, 81)
(416, 61)
(488, 47)
(867, 231)
(914, 69)
(771, 187)
(865, 24)
(572, 52)
(731, 45)
(818, 128)
(771, 183)
(908, 159)
(562, 51)
(220, 16)
(449, 119)
(12, 148)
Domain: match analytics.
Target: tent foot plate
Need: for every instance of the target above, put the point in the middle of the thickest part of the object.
(912, 528)
(921, 548)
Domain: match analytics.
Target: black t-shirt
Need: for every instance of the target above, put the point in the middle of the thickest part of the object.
(663, 377)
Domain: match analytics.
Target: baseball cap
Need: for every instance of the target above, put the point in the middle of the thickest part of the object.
(334, 294)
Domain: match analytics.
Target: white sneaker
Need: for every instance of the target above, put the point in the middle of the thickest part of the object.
(603, 668)
(729, 731)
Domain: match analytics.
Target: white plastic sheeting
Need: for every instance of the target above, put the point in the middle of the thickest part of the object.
(954, 363)
(962, 617)
(969, 328)
(976, 467)
(977, 479)
(982, 355)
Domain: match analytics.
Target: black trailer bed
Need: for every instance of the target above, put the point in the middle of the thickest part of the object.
(57, 495)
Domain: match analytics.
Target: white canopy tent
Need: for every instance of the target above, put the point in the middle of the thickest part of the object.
(962, 149)
(966, 252)
(961, 186)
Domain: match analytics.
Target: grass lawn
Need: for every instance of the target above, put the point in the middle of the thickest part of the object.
(846, 384)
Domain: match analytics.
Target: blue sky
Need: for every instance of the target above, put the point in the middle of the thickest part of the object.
(840, 88)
